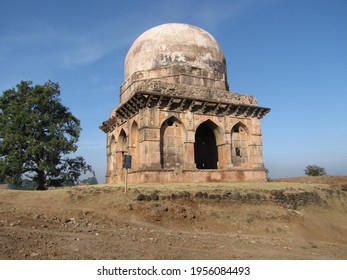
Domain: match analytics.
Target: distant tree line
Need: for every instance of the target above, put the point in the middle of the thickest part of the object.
(90, 181)
(310, 170)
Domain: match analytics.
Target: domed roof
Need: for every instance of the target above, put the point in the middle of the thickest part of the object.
(175, 44)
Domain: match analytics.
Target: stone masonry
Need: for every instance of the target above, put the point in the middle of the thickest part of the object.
(177, 118)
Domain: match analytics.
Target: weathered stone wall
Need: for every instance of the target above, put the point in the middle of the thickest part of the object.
(175, 75)
(169, 155)
(288, 199)
(197, 176)
(171, 86)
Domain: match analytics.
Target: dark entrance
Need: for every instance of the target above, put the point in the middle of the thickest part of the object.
(205, 148)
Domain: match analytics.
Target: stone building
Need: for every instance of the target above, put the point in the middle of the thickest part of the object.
(177, 118)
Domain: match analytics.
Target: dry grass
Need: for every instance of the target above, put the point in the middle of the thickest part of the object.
(331, 180)
(220, 187)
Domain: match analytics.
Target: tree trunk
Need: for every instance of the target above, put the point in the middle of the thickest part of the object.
(41, 181)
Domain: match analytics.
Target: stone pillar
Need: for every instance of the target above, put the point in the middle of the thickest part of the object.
(149, 139)
(108, 157)
(111, 159)
(256, 145)
(189, 156)
(224, 156)
(256, 155)
(189, 160)
(150, 154)
(224, 153)
(119, 171)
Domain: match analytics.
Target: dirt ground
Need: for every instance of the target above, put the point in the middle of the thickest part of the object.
(277, 220)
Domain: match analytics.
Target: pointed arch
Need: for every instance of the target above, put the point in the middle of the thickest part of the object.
(217, 130)
(239, 144)
(172, 138)
(112, 143)
(207, 136)
(122, 142)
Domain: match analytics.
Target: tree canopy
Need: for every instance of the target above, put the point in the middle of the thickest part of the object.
(314, 170)
(37, 132)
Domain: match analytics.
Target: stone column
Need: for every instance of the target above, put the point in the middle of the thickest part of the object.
(108, 157)
(150, 155)
(119, 171)
(189, 160)
(224, 156)
(149, 139)
(256, 145)
(224, 153)
(189, 156)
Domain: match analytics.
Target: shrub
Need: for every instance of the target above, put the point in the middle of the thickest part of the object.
(314, 170)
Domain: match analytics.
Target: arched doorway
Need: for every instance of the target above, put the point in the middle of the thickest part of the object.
(171, 143)
(205, 147)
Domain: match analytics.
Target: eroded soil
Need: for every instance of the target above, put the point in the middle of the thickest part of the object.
(101, 222)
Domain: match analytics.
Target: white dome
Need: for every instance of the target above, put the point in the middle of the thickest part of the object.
(175, 44)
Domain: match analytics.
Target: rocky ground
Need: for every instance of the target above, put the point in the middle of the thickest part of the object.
(228, 221)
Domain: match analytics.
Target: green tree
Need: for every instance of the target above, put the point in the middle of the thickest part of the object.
(37, 132)
(314, 170)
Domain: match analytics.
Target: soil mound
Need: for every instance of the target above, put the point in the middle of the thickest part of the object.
(277, 220)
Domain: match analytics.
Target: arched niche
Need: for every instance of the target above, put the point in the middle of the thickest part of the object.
(172, 137)
(122, 142)
(239, 144)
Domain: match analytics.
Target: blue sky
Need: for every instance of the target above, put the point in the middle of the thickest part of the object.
(290, 54)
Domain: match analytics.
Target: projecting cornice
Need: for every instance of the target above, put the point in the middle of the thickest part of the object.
(179, 97)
